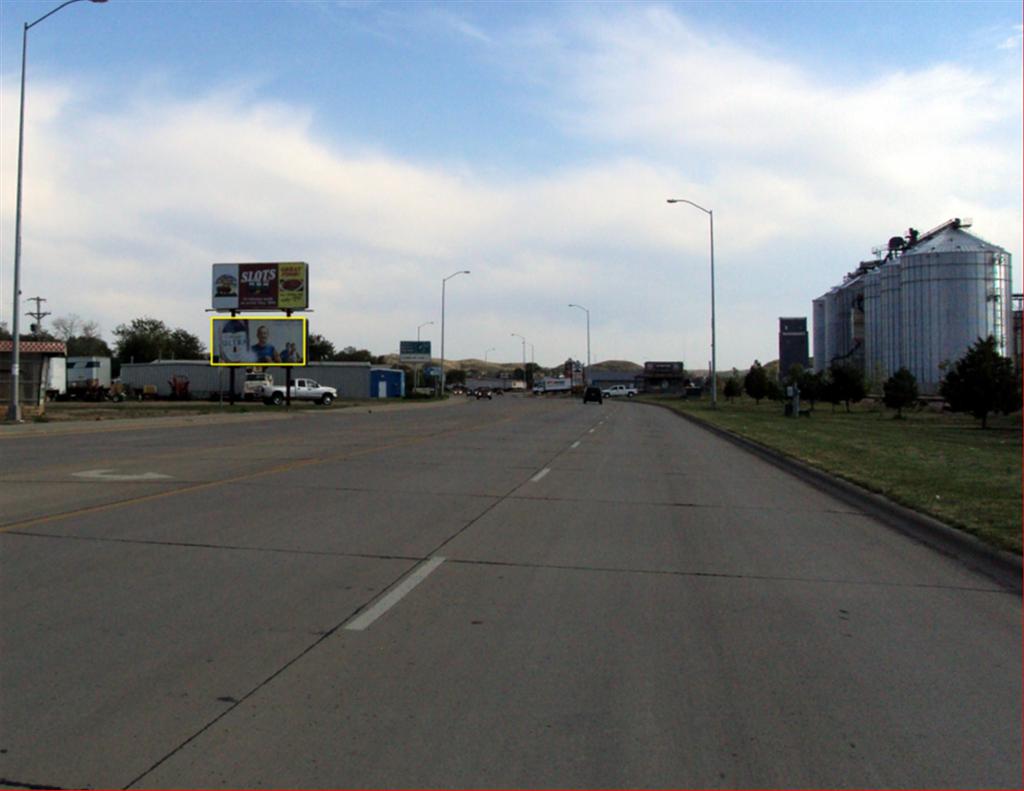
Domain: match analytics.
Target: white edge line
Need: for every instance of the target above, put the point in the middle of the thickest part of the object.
(576, 444)
(393, 596)
(540, 474)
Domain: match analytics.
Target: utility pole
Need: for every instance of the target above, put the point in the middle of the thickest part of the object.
(38, 314)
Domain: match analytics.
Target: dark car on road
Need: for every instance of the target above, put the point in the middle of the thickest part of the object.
(482, 392)
(593, 394)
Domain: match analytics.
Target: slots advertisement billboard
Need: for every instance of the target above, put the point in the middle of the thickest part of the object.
(258, 340)
(271, 286)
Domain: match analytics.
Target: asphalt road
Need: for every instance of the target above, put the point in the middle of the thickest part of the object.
(515, 593)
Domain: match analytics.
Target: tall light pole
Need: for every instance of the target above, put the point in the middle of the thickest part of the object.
(517, 335)
(492, 349)
(714, 361)
(417, 368)
(14, 410)
(588, 340)
(444, 282)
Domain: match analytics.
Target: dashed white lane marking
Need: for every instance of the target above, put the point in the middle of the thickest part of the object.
(591, 431)
(393, 596)
(540, 474)
(111, 475)
(576, 444)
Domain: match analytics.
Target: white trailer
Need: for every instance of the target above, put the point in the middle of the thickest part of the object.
(88, 377)
(552, 384)
(55, 378)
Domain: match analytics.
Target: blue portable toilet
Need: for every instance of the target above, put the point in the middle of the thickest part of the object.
(387, 383)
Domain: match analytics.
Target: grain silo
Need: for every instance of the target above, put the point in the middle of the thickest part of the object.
(921, 307)
(954, 289)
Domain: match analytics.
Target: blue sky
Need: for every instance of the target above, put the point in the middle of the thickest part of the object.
(391, 144)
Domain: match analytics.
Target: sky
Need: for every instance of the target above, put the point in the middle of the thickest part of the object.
(535, 144)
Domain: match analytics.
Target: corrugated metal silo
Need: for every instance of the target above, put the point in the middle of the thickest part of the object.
(889, 315)
(954, 289)
(819, 333)
(873, 368)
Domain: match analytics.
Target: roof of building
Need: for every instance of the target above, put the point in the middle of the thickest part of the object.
(35, 347)
(951, 238)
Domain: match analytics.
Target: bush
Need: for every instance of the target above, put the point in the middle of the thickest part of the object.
(755, 383)
(900, 390)
(981, 381)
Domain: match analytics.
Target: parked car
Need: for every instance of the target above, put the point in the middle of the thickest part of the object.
(619, 390)
(301, 390)
(592, 394)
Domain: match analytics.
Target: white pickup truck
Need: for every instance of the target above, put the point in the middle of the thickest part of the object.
(301, 390)
(619, 390)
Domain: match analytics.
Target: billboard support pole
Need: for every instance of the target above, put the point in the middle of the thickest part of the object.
(231, 377)
(288, 377)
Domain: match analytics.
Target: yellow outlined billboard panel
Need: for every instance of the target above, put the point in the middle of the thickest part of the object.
(257, 340)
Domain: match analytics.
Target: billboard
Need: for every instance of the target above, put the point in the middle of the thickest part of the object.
(280, 286)
(259, 340)
(414, 351)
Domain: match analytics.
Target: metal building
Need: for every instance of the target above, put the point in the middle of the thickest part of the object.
(920, 307)
(793, 348)
(352, 380)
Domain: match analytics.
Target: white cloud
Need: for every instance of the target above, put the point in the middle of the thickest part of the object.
(126, 209)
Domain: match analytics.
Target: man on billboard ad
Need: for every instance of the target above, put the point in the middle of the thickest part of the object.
(260, 340)
(283, 286)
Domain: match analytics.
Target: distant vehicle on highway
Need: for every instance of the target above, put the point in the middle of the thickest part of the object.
(592, 394)
(619, 390)
(552, 384)
(301, 390)
(482, 392)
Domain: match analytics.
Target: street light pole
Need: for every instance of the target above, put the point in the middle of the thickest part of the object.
(588, 340)
(517, 335)
(14, 410)
(424, 324)
(492, 349)
(714, 361)
(444, 282)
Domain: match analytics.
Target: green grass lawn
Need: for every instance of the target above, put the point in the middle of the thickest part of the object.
(941, 464)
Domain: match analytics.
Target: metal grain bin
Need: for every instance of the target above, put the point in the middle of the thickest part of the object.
(954, 289)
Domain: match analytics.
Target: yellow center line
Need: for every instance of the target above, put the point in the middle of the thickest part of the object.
(93, 509)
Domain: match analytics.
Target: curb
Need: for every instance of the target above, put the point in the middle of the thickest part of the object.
(1003, 567)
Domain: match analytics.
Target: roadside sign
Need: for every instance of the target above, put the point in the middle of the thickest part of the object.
(414, 351)
(261, 340)
(281, 286)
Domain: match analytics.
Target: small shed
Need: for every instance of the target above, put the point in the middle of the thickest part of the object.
(36, 370)
(387, 383)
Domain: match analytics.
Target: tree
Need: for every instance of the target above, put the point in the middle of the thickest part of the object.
(318, 349)
(82, 346)
(350, 354)
(186, 346)
(733, 388)
(74, 326)
(82, 337)
(847, 383)
(755, 383)
(900, 390)
(981, 381)
(812, 386)
(146, 339)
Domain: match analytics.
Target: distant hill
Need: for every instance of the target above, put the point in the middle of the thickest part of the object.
(493, 368)
(616, 365)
